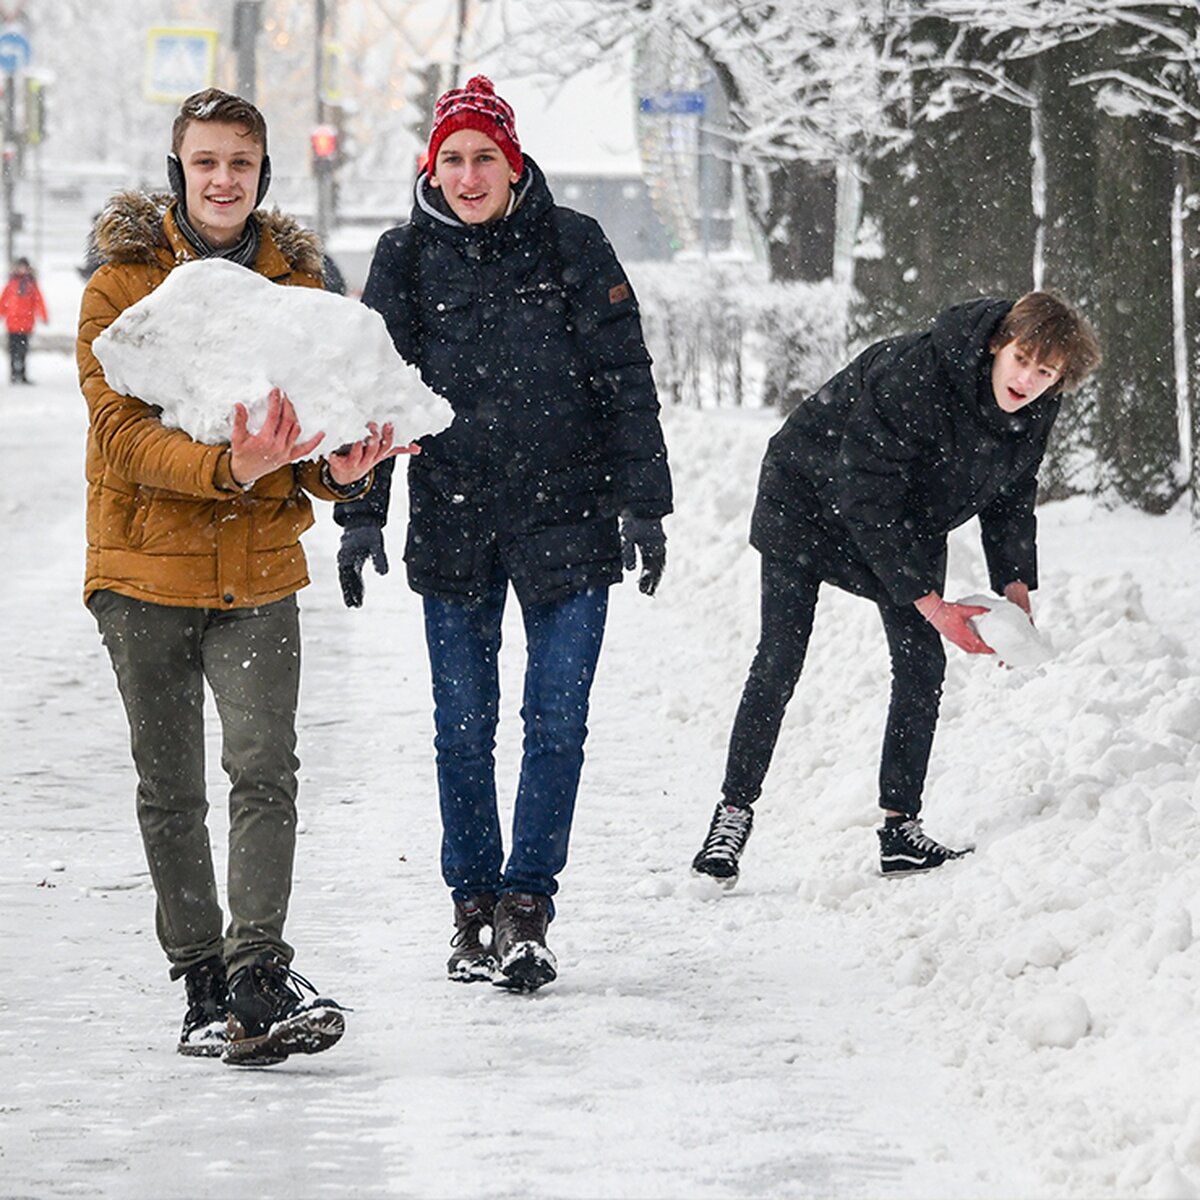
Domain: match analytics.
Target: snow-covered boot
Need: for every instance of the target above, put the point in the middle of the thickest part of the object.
(525, 962)
(269, 1019)
(728, 834)
(904, 847)
(203, 1033)
(472, 956)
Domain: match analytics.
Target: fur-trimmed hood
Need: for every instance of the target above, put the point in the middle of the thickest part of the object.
(130, 230)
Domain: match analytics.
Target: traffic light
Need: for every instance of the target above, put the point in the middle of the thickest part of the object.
(423, 85)
(325, 148)
(35, 111)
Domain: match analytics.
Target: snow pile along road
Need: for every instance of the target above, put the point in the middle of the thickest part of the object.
(214, 334)
(1019, 1024)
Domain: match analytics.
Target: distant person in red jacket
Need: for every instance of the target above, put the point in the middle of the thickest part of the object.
(21, 304)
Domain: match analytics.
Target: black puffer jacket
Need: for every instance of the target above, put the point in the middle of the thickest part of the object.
(868, 476)
(529, 327)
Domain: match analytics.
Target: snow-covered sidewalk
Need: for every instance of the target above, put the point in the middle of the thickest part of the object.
(1020, 1024)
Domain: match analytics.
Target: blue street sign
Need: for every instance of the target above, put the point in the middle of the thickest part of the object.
(663, 104)
(15, 52)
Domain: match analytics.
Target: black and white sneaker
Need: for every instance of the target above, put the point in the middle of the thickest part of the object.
(203, 1032)
(727, 837)
(269, 1019)
(904, 847)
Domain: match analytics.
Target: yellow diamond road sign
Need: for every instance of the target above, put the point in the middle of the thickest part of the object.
(179, 62)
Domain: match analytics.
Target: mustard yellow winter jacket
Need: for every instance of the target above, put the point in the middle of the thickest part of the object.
(166, 522)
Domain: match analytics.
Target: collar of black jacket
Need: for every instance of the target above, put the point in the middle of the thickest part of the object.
(962, 336)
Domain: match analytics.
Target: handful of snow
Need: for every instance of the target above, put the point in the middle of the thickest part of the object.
(214, 334)
(1010, 632)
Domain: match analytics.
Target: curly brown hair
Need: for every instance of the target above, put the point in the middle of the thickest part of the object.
(212, 104)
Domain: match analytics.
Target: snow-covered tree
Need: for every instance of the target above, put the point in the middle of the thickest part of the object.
(806, 88)
(1113, 91)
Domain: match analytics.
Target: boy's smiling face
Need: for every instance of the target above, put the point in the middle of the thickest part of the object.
(221, 165)
(1018, 378)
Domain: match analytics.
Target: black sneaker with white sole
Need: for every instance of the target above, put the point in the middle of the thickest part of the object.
(203, 1032)
(269, 1018)
(904, 848)
(728, 834)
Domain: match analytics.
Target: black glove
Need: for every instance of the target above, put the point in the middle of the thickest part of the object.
(359, 542)
(644, 534)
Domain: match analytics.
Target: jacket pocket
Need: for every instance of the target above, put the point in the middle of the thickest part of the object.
(140, 509)
(577, 493)
(447, 533)
(450, 315)
(167, 524)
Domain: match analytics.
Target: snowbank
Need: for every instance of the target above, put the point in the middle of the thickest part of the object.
(1056, 969)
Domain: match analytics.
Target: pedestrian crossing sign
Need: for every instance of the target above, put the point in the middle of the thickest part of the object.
(179, 62)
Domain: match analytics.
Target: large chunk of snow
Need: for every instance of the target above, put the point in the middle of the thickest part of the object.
(214, 334)
(1009, 631)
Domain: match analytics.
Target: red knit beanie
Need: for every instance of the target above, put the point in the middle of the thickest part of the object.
(476, 106)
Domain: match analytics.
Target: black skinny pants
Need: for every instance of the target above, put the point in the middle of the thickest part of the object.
(789, 601)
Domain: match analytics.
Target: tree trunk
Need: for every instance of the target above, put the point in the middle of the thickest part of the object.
(1069, 130)
(1187, 179)
(953, 216)
(1136, 430)
(796, 214)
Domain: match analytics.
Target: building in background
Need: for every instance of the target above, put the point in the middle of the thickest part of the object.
(583, 135)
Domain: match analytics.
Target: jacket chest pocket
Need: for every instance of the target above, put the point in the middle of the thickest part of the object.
(541, 307)
(451, 316)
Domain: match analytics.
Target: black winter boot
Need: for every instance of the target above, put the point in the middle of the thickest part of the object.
(269, 1018)
(473, 956)
(203, 1033)
(525, 962)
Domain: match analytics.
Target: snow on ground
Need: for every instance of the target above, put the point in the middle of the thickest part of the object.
(1020, 1024)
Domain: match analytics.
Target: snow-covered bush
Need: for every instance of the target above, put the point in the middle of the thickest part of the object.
(721, 333)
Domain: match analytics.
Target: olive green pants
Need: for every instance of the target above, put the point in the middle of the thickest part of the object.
(251, 660)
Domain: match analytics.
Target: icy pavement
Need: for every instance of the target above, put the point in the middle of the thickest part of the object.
(1021, 1024)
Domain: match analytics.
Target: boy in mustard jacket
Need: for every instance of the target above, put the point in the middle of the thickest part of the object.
(193, 564)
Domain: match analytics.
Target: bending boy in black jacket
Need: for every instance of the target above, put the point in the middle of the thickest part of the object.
(860, 488)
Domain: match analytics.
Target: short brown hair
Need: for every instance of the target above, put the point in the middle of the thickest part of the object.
(212, 104)
(1053, 332)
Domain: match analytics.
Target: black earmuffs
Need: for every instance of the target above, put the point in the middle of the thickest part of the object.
(179, 186)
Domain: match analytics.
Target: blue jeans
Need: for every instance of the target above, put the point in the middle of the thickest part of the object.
(562, 646)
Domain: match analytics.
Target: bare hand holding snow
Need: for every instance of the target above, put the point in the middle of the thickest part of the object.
(1010, 632)
(214, 334)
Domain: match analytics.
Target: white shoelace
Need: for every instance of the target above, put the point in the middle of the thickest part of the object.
(918, 837)
(727, 834)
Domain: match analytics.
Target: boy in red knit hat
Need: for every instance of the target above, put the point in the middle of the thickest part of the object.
(552, 475)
